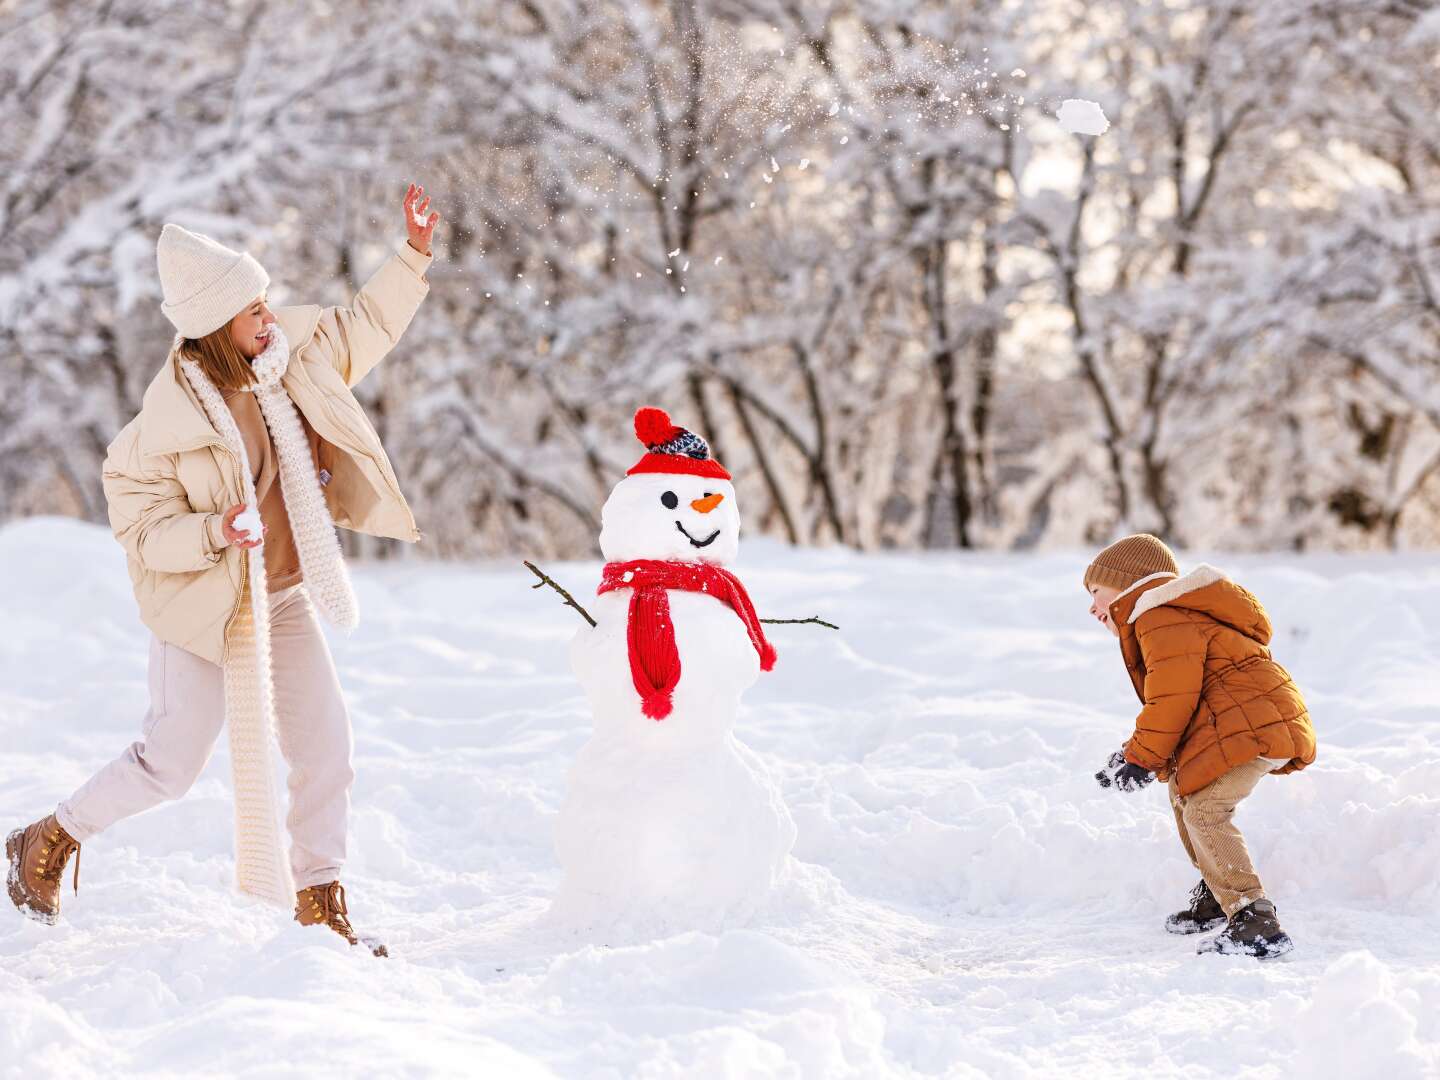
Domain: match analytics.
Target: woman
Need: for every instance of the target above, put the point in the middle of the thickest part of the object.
(252, 412)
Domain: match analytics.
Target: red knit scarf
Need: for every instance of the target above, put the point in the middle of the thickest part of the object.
(654, 660)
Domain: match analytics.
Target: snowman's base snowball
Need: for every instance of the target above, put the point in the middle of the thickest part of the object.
(676, 839)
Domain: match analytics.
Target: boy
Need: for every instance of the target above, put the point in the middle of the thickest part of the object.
(1218, 714)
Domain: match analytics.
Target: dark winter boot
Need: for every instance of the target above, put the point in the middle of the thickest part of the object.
(38, 855)
(1204, 913)
(325, 905)
(1254, 930)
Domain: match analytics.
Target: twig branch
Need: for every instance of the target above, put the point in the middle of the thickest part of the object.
(546, 579)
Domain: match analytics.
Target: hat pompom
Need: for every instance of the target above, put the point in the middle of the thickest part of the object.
(654, 428)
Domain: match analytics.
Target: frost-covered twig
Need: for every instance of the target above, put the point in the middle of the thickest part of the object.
(546, 579)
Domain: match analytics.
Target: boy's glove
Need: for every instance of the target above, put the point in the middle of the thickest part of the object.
(1132, 777)
(1106, 776)
(1121, 774)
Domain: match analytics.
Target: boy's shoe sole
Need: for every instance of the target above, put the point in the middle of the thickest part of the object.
(1175, 925)
(1266, 948)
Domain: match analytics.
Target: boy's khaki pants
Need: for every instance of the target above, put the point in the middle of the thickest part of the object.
(187, 714)
(1214, 844)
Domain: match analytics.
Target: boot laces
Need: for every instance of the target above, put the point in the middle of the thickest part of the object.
(329, 902)
(51, 863)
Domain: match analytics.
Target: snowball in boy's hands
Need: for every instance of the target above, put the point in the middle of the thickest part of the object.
(1081, 117)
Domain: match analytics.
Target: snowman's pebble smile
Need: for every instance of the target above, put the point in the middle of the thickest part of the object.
(698, 543)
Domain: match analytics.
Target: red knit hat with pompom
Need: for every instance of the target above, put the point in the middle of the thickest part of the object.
(671, 449)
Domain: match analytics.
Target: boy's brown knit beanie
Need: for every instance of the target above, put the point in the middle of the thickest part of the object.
(1128, 560)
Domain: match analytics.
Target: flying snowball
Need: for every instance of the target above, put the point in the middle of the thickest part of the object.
(1082, 117)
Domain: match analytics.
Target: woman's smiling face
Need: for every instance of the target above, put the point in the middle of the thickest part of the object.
(671, 516)
(251, 328)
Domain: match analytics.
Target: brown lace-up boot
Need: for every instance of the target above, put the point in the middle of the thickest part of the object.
(38, 855)
(325, 905)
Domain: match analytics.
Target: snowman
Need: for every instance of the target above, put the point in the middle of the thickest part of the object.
(669, 820)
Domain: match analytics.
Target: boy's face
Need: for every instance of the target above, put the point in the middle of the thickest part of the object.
(1101, 597)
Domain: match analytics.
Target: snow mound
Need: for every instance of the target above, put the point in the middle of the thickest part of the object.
(1358, 1023)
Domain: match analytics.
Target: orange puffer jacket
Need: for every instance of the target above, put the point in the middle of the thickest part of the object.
(1197, 650)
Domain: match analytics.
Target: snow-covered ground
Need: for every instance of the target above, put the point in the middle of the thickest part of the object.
(966, 902)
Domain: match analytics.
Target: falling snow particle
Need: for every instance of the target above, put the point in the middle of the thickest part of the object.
(804, 163)
(1082, 117)
(834, 108)
(774, 167)
(719, 259)
(674, 254)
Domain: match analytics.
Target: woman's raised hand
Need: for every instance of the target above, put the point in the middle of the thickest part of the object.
(418, 227)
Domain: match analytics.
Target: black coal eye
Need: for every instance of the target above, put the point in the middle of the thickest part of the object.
(670, 500)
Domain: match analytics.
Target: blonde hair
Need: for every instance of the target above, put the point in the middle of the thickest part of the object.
(220, 358)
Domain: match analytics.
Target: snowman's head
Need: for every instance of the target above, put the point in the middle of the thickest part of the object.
(677, 503)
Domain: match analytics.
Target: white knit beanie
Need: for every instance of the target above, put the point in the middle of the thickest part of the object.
(204, 283)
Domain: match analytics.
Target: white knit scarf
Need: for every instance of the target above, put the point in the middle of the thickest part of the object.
(261, 868)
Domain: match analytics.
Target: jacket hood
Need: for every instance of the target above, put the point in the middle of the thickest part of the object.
(1208, 591)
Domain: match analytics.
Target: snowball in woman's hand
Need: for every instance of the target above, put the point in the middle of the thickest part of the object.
(248, 523)
(1082, 117)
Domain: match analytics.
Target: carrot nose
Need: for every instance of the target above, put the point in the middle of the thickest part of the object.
(708, 503)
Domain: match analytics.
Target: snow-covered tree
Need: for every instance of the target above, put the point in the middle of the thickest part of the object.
(849, 241)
